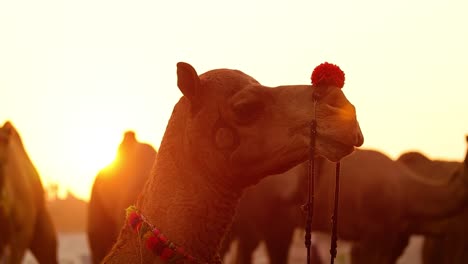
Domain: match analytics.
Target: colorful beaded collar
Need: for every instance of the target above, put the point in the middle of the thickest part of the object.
(156, 242)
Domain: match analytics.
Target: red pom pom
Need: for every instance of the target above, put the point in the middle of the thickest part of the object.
(156, 232)
(163, 238)
(152, 242)
(167, 253)
(180, 251)
(190, 259)
(134, 221)
(327, 74)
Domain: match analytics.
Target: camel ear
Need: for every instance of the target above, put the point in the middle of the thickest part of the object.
(188, 82)
(8, 127)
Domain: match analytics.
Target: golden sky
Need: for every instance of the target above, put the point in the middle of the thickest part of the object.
(74, 75)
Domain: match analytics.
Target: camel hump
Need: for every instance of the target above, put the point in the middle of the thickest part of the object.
(128, 142)
(129, 136)
(6, 131)
(8, 125)
(9, 133)
(412, 156)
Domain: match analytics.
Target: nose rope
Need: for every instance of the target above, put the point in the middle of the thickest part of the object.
(309, 206)
(334, 237)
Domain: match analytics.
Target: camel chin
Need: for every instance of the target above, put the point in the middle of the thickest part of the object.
(341, 150)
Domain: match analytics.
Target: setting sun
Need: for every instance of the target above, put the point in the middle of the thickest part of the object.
(98, 151)
(84, 152)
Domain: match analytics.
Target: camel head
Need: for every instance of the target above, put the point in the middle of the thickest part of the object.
(246, 131)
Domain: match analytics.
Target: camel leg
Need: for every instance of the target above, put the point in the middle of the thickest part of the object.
(16, 254)
(450, 248)
(44, 243)
(430, 251)
(314, 254)
(278, 242)
(245, 249)
(226, 244)
(19, 243)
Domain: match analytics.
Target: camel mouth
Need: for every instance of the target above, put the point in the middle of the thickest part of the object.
(328, 148)
(338, 150)
(332, 149)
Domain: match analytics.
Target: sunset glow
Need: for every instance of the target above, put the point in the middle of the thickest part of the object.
(74, 76)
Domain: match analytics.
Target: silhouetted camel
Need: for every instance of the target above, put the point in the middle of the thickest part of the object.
(226, 133)
(115, 188)
(449, 243)
(422, 200)
(382, 203)
(25, 222)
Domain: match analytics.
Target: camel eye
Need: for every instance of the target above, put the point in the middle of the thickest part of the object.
(247, 111)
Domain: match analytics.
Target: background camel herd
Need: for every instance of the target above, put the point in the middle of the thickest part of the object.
(233, 166)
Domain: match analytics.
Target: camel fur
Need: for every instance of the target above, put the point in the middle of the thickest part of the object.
(226, 133)
(115, 188)
(25, 222)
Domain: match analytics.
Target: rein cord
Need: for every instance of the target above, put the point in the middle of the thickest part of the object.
(334, 219)
(309, 206)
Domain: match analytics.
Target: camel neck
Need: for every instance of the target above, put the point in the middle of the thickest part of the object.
(191, 215)
(189, 203)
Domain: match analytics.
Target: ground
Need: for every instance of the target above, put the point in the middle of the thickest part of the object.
(73, 249)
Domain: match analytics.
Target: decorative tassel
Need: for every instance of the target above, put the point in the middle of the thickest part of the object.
(155, 241)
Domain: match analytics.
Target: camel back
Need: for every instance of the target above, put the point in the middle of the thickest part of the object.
(437, 171)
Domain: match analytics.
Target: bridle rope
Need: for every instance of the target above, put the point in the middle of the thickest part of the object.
(334, 237)
(309, 206)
